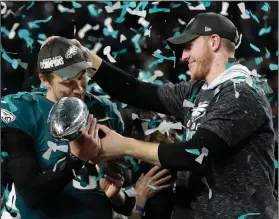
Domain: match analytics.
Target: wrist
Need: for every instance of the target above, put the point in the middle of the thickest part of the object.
(77, 153)
(128, 146)
(141, 201)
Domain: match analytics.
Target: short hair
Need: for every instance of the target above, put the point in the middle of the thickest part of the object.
(228, 45)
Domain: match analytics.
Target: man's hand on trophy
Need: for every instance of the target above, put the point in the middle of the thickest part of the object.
(113, 145)
(88, 145)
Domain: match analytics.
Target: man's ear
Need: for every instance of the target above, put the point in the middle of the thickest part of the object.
(215, 42)
(44, 80)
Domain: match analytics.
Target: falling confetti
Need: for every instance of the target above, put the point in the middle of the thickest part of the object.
(152, 187)
(254, 47)
(258, 60)
(265, 7)
(193, 151)
(276, 164)
(225, 6)
(253, 16)
(198, 7)
(273, 67)
(206, 183)
(264, 31)
(245, 13)
(249, 214)
(34, 24)
(30, 6)
(106, 52)
(267, 54)
(204, 153)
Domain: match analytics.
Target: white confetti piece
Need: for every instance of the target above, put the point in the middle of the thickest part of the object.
(225, 6)
(54, 147)
(165, 127)
(112, 8)
(203, 154)
(22, 64)
(135, 116)
(143, 22)
(104, 119)
(54, 168)
(152, 187)
(107, 23)
(210, 191)
(216, 91)
(147, 32)
(96, 48)
(137, 13)
(74, 173)
(181, 21)
(12, 31)
(96, 27)
(3, 7)
(63, 9)
(122, 38)
(187, 103)
(82, 31)
(198, 7)
(236, 92)
(157, 74)
(107, 53)
(241, 7)
(8, 13)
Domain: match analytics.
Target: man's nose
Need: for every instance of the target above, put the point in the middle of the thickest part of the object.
(185, 55)
(78, 88)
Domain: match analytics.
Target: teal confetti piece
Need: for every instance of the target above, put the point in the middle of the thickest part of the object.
(193, 151)
(107, 3)
(5, 31)
(14, 62)
(4, 154)
(249, 214)
(254, 16)
(254, 47)
(34, 24)
(258, 60)
(123, 105)
(135, 40)
(65, 78)
(30, 6)
(92, 10)
(114, 54)
(100, 174)
(123, 166)
(228, 65)
(273, 67)
(188, 3)
(267, 55)
(265, 31)
(276, 164)
(42, 36)
(114, 34)
(265, 7)
(155, 10)
(133, 162)
(277, 53)
(152, 187)
(141, 6)
(24, 34)
(182, 77)
(12, 107)
(5, 88)
(206, 3)
(76, 5)
(157, 82)
(161, 58)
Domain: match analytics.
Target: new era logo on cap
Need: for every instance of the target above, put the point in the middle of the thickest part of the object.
(206, 29)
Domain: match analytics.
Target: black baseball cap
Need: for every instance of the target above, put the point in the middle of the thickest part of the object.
(205, 24)
(62, 57)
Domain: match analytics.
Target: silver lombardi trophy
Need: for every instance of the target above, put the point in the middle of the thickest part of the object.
(67, 116)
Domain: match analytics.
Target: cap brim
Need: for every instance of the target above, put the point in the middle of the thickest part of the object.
(183, 38)
(73, 70)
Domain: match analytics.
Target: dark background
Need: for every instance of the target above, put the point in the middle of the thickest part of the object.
(164, 25)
